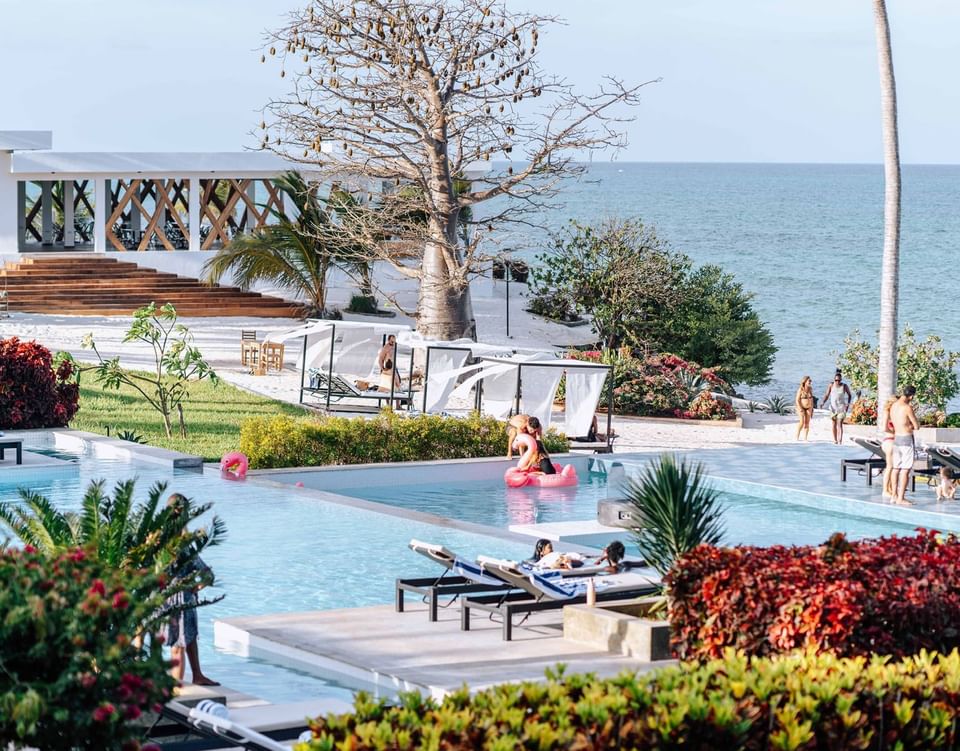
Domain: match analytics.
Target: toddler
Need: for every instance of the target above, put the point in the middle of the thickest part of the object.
(947, 486)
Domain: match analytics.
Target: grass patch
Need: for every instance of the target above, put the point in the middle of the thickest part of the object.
(213, 415)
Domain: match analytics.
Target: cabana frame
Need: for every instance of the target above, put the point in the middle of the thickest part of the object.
(599, 446)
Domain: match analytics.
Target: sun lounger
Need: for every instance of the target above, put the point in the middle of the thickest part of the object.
(876, 462)
(535, 591)
(225, 731)
(334, 388)
(945, 457)
(459, 577)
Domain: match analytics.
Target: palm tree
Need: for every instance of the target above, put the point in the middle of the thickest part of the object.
(152, 535)
(295, 254)
(673, 511)
(890, 269)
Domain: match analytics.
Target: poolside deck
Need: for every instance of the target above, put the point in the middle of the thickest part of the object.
(390, 651)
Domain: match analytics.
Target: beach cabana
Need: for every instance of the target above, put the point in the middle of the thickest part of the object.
(338, 363)
(527, 384)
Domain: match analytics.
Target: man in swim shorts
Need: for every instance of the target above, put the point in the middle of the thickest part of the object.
(904, 423)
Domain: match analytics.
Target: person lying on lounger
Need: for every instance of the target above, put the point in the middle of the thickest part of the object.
(544, 556)
(613, 556)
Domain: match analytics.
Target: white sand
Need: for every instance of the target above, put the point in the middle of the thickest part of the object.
(219, 340)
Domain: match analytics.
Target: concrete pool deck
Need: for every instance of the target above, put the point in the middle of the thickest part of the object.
(389, 651)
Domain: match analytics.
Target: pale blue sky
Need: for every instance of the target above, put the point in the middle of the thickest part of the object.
(743, 80)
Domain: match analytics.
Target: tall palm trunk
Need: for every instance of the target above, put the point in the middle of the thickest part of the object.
(890, 269)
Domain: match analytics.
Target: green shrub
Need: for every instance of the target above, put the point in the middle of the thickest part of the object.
(362, 304)
(284, 441)
(800, 701)
(72, 676)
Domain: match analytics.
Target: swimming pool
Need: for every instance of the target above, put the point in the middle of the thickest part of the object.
(286, 550)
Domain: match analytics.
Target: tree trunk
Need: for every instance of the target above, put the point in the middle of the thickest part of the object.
(890, 269)
(444, 311)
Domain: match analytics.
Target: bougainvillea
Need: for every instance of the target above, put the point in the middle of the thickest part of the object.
(34, 394)
(73, 676)
(892, 596)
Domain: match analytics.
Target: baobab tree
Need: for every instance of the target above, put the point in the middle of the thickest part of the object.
(396, 99)
(890, 266)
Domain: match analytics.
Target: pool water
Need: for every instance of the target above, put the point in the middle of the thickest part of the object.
(285, 551)
(748, 520)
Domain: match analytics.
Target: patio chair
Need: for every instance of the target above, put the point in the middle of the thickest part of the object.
(205, 721)
(876, 461)
(536, 592)
(249, 349)
(459, 577)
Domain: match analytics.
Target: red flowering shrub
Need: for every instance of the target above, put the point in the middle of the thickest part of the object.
(72, 676)
(657, 385)
(894, 596)
(707, 407)
(32, 393)
(864, 412)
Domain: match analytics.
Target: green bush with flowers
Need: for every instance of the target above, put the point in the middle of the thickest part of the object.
(661, 385)
(734, 703)
(72, 676)
(864, 411)
(283, 441)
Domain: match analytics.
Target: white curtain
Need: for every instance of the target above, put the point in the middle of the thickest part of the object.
(538, 388)
(499, 390)
(584, 387)
(445, 368)
(357, 353)
(318, 350)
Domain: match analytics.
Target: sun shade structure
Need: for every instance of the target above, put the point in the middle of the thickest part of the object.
(339, 357)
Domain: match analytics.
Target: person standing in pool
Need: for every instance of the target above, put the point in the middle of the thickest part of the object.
(182, 629)
(837, 399)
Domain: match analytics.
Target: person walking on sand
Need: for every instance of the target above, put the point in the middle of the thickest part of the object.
(837, 399)
(804, 405)
(904, 423)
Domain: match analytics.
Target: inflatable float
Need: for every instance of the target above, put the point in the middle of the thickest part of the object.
(519, 478)
(234, 465)
(515, 477)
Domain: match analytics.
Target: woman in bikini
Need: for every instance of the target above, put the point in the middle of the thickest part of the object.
(885, 427)
(804, 405)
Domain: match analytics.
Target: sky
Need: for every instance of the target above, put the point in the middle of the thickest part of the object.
(742, 80)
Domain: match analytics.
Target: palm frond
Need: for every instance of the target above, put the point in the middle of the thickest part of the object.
(673, 511)
(35, 521)
(94, 505)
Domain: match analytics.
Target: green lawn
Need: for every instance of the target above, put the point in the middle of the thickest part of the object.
(213, 415)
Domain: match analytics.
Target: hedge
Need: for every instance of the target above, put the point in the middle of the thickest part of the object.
(285, 441)
(799, 701)
(892, 596)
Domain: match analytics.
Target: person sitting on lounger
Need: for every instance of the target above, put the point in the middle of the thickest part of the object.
(613, 556)
(544, 556)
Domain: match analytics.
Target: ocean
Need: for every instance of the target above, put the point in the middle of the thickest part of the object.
(805, 239)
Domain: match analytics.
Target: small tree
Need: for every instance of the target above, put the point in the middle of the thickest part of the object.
(177, 362)
(620, 273)
(644, 295)
(673, 511)
(392, 93)
(925, 365)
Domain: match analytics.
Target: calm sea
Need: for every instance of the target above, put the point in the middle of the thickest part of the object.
(806, 240)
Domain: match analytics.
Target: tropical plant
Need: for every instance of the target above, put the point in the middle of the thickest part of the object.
(734, 703)
(296, 253)
(778, 404)
(926, 365)
(176, 363)
(890, 267)
(150, 535)
(73, 676)
(673, 510)
(35, 390)
(129, 435)
(642, 294)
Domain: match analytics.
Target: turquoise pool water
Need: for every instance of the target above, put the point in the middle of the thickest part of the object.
(285, 551)
(749, 520)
